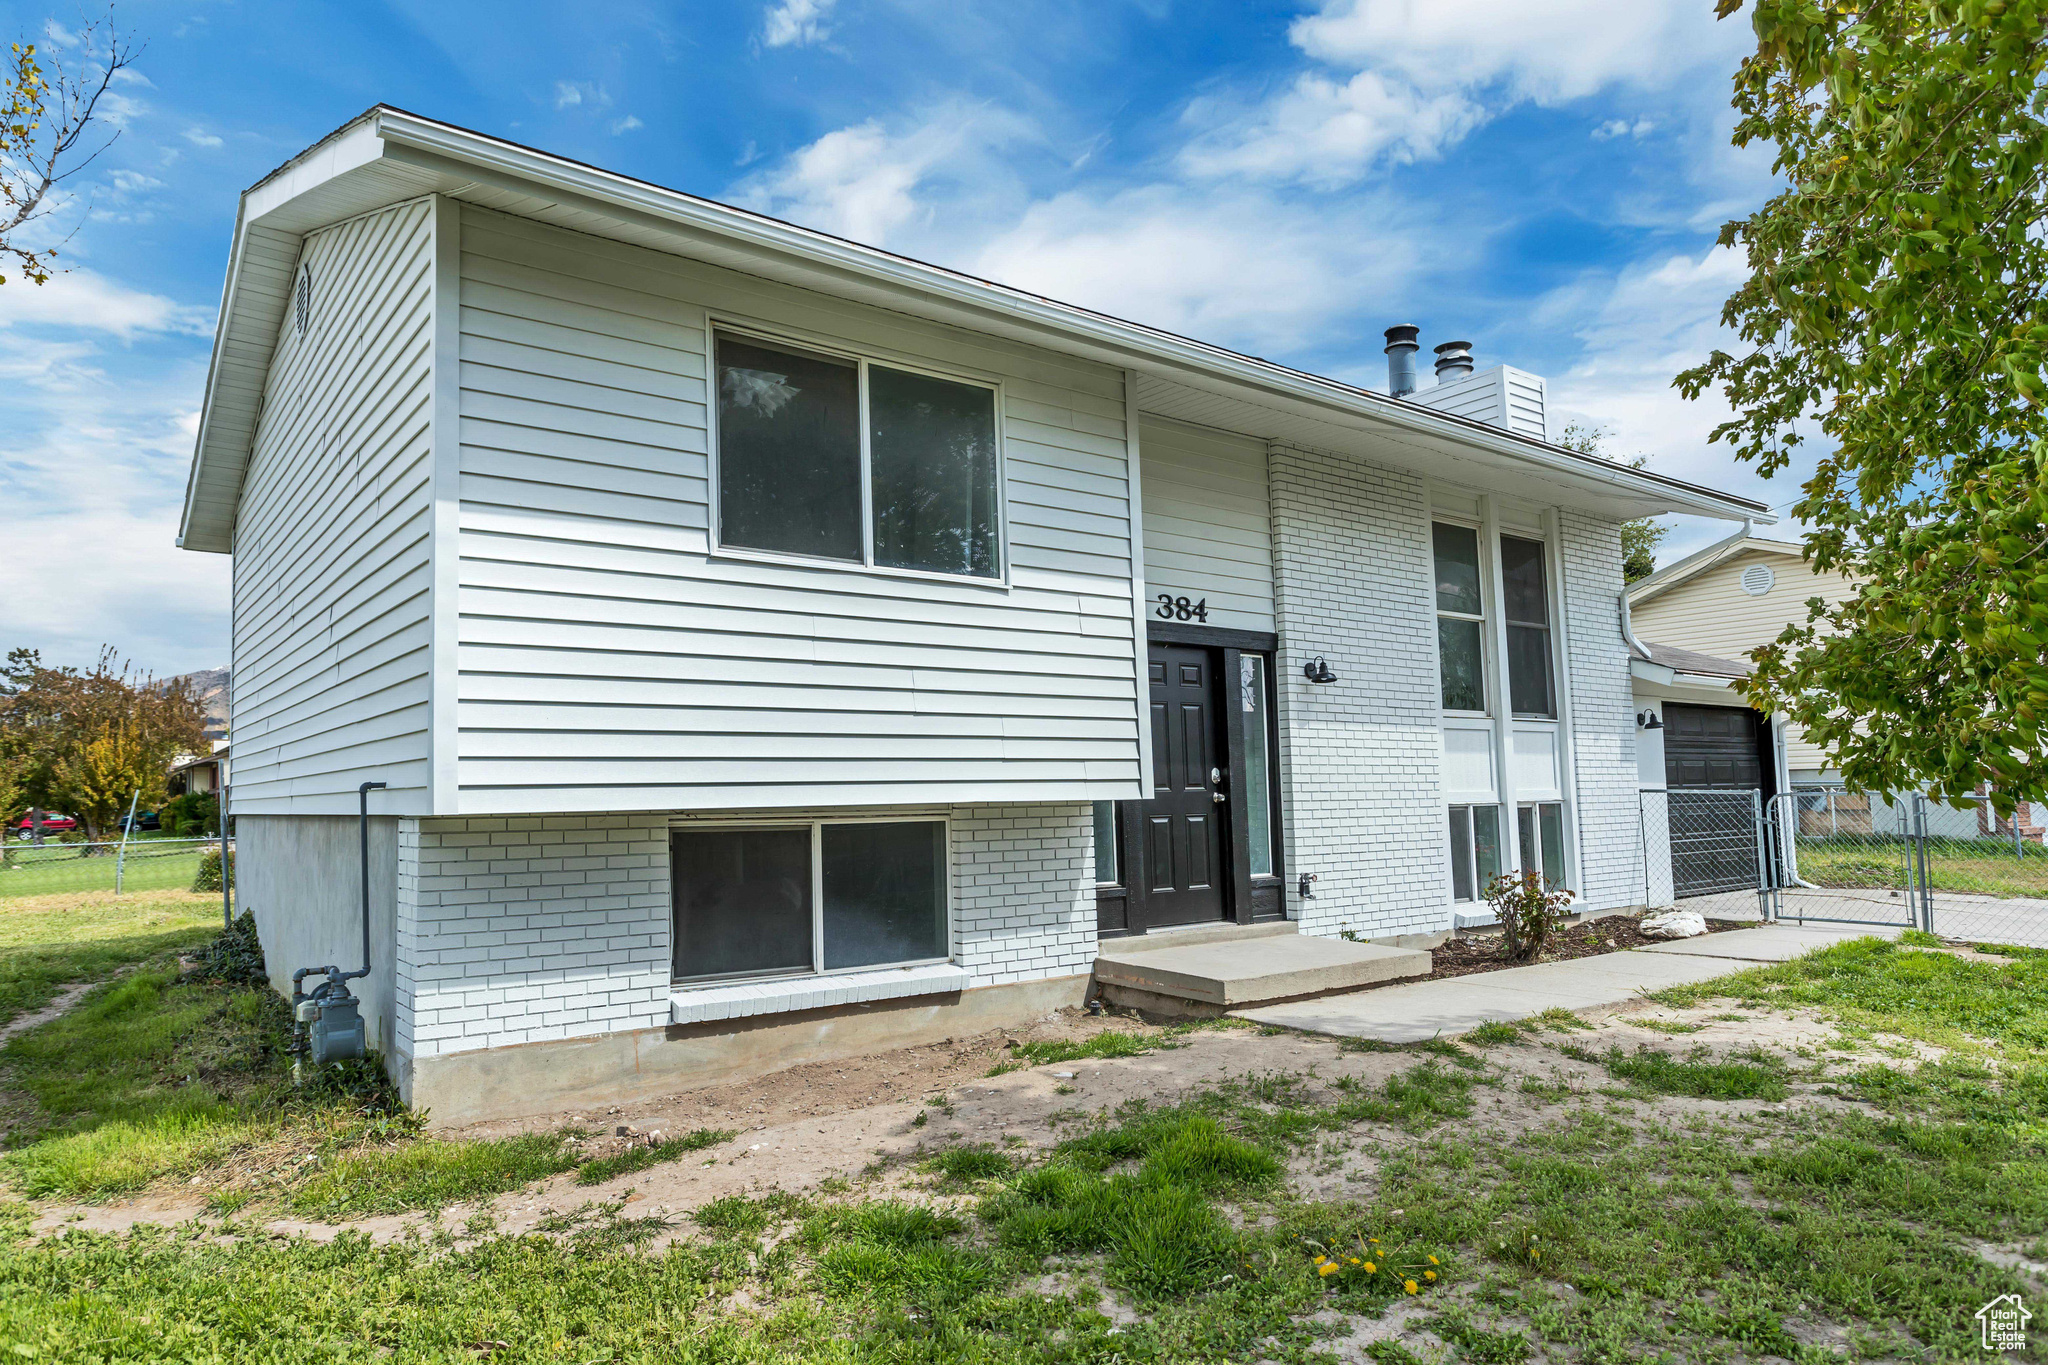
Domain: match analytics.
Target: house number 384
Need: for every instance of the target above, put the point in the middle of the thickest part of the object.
(1173, 608)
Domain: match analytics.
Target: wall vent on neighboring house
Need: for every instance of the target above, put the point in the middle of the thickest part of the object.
(302, 300)
(1757, 579)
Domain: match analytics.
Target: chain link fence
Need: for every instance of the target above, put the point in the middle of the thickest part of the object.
(1986, 875)
(1701, 853)
(144, 864)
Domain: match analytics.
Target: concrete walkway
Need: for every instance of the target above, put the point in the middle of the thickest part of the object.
(1422, 1010)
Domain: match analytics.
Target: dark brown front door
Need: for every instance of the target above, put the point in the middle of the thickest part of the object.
(1183, 823)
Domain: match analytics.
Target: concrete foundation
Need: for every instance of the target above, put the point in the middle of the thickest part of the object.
(301, 876)
(539, 1078)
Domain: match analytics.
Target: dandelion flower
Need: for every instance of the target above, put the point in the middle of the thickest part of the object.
(1410, 1286)
(1371, 1269)
(1329, 1268)
(1319, 1260)
(1434, 1261)
(1354, 1260)
(1429, 1274)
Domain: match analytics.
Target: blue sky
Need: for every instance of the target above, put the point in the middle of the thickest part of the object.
(1543, 178)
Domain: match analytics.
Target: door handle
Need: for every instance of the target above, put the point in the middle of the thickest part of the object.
(1218, 797)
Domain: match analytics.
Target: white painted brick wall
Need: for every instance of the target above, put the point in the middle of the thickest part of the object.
(525, 929)
(1603, 713)
(520, 929)
(1025, 886)
(1360, 758)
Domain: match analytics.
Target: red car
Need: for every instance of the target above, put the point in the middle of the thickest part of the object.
(52, 824)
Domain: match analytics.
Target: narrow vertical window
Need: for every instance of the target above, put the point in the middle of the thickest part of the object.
(1106, 873)
(789, 462)
(1460, 618)
(1475, 850)
(1525, 599)
(1541, 827)
(932, 443)
(1258, 762)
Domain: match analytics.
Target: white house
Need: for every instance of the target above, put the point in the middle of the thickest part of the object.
(775, 648)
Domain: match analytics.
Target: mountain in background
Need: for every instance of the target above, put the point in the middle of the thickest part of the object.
(210, 685)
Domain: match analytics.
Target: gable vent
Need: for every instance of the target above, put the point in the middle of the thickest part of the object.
(302, 300)
(1757, 579)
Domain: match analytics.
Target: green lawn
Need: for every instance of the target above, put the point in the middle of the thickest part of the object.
(1766, 1221)
(1978, 867)
(151, 863)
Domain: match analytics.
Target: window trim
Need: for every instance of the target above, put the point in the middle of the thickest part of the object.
(861, 358)
(1547, 557)
(816, 825)
(1485, 618)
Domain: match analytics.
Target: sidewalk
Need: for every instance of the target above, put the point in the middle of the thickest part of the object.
(1422, 1010)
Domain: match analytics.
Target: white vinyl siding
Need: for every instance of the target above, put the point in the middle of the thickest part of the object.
(609, 662)
(1208, 524)
(332, 540)
(1503, 396)
(1711, 614)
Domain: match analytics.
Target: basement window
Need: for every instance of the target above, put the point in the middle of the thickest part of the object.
(809, 897)
(837, 458)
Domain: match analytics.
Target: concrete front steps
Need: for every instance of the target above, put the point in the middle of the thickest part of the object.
(1211, 970)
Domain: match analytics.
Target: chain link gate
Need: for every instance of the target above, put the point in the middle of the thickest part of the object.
(1840, 857)
(1985, 875)
(1702, 851)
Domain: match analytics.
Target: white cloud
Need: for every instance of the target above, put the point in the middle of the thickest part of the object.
(1326, 133)
(1550, 52)
(1621, 127)
(199, 137)
(58, 35)
(863, 182)
(567, 94)
(1240, 269)
(796, 23)
(574, 94)
(131, 182)
(87, 300)
(626, 125)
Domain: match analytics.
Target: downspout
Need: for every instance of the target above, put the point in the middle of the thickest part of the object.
(1628, 630)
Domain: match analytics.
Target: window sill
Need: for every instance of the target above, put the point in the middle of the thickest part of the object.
(740, 1000)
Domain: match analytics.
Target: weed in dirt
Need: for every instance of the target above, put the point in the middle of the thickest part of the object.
(1003, 1069)
(739, 1215)
(1918, 938)
(1497, 1033)
(638, 1158)
(225, 1203)
(1477, 1344)
(597, 1228)
(1387, 1351)
(1671, 1027)
(965, 1164)
(1757, 1076)
(1104, 1045)
(1450, 1052)
(1561, 1020)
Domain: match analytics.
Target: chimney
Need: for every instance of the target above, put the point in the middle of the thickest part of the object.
(1401, 349)
(1453, 362)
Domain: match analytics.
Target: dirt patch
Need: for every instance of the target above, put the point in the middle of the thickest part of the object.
(66, 997)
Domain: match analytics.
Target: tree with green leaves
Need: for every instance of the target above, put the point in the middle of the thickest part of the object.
(1896, 317)
(83, 741)
(1639, 538)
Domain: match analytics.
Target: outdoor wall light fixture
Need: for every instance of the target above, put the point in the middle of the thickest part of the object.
(1308, 879)
(1317, 670)
(1648, 720)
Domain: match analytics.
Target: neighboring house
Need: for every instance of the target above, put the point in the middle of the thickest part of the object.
(1726, 600)
(198, 774)
(778, 649)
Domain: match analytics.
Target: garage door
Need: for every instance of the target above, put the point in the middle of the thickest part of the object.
(1711, 763)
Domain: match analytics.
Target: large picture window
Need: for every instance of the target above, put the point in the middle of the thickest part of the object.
(1460, 618)
(839, 458)
(1525, 597)
(818, 897)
